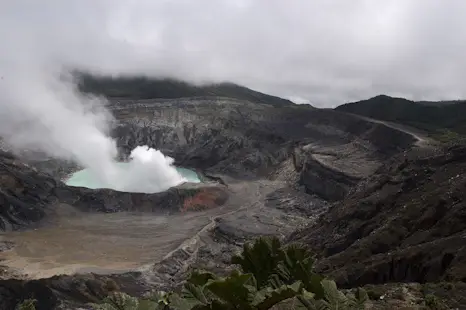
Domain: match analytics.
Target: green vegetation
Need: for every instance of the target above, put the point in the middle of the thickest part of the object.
(444, 121)
(28, 304)
(270, 276)
(448, 136)
(434, 303)
(150, 88)
(431, 301)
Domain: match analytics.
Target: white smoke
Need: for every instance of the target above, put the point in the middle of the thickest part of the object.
(49, 115)
(41, 112)
(41, 109)
(149, 171)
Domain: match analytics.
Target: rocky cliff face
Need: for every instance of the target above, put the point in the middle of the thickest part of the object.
(225, 136)
(405, 224)
(25, 193)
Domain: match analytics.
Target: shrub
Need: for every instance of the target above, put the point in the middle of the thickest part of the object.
(269, 275)
(27, 304)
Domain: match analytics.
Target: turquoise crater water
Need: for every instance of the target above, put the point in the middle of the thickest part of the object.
(85, 178)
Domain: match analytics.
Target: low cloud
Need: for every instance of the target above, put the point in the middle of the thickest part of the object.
(326, 52)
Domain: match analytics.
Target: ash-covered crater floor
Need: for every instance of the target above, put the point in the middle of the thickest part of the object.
(127, 231)
(266, 170)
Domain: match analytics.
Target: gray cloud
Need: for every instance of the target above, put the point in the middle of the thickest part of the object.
(327, 52)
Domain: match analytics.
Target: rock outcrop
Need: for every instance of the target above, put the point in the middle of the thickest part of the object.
(331, 151)
(25, 193)
(407, 223)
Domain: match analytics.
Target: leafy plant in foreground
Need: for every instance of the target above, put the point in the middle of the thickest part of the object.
(237, 291)
(271, 276)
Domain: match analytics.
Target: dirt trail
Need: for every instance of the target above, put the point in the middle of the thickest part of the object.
(255, 192)
(422, 139)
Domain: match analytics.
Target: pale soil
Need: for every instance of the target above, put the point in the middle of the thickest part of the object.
(76, 242)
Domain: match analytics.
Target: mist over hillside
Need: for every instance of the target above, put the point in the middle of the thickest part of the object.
(141, 87)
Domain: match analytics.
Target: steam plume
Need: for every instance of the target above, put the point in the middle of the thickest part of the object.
(41, 109)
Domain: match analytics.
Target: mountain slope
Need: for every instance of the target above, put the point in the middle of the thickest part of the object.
(149, 88)
(444, 121)
(407, 223)
(24, 193)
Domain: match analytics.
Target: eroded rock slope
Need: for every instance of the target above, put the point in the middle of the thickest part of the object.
(407, 223)
(325, 151)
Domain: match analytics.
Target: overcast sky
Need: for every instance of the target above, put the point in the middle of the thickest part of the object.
(326, 52)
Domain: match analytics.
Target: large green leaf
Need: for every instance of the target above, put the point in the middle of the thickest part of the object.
(187, 302)
(27, 304)
(200, 278)
(276, 281)
(260, 259)
(315, 286)
(194, 293)
(215, 305)
(235, 290)
(118, 301)
(147, 304)
(333, 296)
(359, 299)
(298, 253)
(297, 264)
(268, 297)
(361, 295)
(297, 271)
